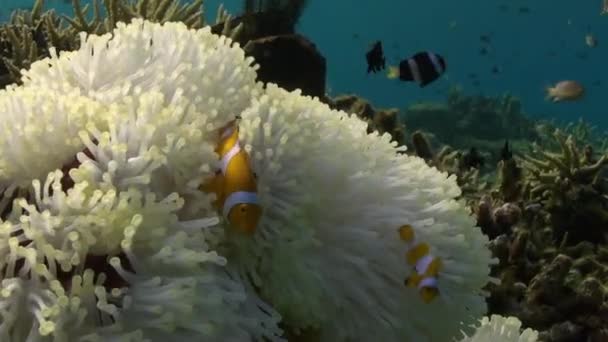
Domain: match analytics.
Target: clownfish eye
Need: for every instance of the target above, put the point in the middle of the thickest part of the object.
(242, 209)
(255, 175)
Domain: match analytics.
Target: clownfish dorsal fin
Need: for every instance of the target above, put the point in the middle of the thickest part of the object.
(229, 135)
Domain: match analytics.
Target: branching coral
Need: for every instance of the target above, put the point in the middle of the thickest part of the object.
(571, 187)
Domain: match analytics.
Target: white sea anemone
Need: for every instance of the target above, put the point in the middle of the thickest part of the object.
(501, 329)
(128, 248)
(327, 252)
(39, 133)
(65, 254)
(211, 70)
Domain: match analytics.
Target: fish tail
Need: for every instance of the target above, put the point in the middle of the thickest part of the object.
(549, 93)
(392, 72)
(428, 294)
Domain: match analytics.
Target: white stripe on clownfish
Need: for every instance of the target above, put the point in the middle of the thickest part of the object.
(426, 266)
(236, 148)
(239, 197)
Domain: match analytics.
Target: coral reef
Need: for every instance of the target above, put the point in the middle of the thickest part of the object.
(571, 189)
(452, 162)
(472, 121)
(379, 120)
(546, 216)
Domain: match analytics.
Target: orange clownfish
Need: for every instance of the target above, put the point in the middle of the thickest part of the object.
(426, 267)
(235, 183)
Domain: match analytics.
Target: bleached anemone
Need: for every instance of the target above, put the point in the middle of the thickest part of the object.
(501, 329)
(109, 264)
(39, 133)
(210, 70)
(327, 253)
(122, 245)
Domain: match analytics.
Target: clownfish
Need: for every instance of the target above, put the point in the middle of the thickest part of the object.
(426, 267)
(234, 182)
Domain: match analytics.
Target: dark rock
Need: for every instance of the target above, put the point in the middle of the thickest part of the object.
(291, 61)
(380, 120)
(567, 332)
(258, 25)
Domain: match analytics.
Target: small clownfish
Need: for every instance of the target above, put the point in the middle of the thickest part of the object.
(426, 267)
(234, 182)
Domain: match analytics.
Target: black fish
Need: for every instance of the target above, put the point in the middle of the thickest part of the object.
(505, 152)
(422, 68)
(375, 58)
(472, 159)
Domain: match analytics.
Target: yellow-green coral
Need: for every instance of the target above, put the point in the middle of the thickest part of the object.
(571, 186)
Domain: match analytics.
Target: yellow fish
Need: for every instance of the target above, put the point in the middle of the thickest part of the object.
(235, 183)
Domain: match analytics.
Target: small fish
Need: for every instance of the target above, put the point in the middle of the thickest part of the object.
(422, 68)
(426, 266)
(473, 159)
(590, 39)
(565, 91)
(506, 153)
(604, 8)
(235, 184)
(485, 38)
(375, 58)
(496, 69)
(483, 51)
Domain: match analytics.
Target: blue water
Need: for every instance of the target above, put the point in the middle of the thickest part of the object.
(520, 47)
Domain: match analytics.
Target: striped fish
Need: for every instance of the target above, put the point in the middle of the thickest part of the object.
(234, 182)
(426, 267)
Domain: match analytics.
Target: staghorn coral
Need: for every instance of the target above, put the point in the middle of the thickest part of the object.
(571, 188)
(138, 245)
